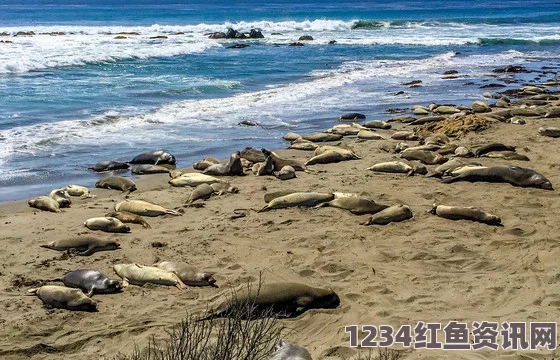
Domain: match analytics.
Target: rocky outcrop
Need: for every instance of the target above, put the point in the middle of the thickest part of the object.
(234, 34)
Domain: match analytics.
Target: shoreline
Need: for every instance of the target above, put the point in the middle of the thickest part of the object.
(425, 269)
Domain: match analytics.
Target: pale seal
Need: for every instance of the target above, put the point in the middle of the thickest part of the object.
(77, 190)
(264, 168)
(322, 137)
(109, 166)
(514, 175)
(44, 203)
(139, 275)
(356, 206)
(282, 300)
(506, 155)
(154, 157)
(194, 179)
(203, 164)
(369, 135)
(326, 158)
(268, 197)
(253, 155)
(82, 245)
(64, 298)
(61, 197)
(90, 281)
(465, 213)
(377, 124)
(201, 192)
(287, 351)
(395, 213)
(107, 224)
(424, 156)
(143, 169)
(224, 187)
(188, 274)
(286, 173)
(307, 199)
(398, 167)
(144, 208)
(117, 183)
(291, 136)
(128, 217)
(404, 135)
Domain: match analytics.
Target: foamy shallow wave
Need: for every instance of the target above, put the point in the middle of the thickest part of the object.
(273, 107)
(81, 45)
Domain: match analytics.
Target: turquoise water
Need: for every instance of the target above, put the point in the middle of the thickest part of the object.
(68, 101)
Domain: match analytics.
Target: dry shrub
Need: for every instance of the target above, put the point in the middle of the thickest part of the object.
(382, 354)
(456, 127)
(210, 338)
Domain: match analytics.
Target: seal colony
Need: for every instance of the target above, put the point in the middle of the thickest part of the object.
(343, 230)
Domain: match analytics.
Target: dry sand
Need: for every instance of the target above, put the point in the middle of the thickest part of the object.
(425, 269)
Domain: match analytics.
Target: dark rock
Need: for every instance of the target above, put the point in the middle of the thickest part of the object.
(511, 69)
(413, 82)
(238, 46)
(450, 72)
(332, 42)
(159, 37)
(24, 33)
(276, 33)
(255, 34)
(128, 33)
(492, 86)
(234, 34)
(4, 34)
(353, 116)
(6, 41)
(120, 37)
(305, 38)
(296, 44)
(217, 35)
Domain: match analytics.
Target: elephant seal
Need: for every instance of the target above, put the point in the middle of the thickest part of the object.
(326, 158)
(139, 275)
(303, 145)
(449, 149)
(194, 179)
(356, 206)
(286, 173)
(450, 164)
(395, 213)
(377, 124)
(514, 175)
(117, 183)
(424, 156)
(82, 245)
(462, 151)
(144, 208)
(155, 158)
(188, 274)
(90, 281)
(352, 116)
(287, 351)
(77, 190)
(128, 217)
(109, 166)
(232, 168)
(280, 300)
(61, 197)
(107, 224)
(203, 164)
(339, 149)
(279, 163)
(322, 137)
(201, 192)
(404, 136)
(344, 130)
(492, 147)
(143, 169)
(253, 155)
(175, 173)
(268, 197)
(44, 203)
(464, 213)
(223, 187)
(398, 167)
(64, 298)
(298, 199)
(506, 155)
(291, 136)
(264, 168)
(369, 135)
(549, 131)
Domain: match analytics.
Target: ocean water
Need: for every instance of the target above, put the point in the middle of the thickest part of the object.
(72, 94)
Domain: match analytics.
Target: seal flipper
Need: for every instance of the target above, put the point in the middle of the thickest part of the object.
(180, 284)
(125, 283)
(56, 279)
(90, 293)
(32, 292)
(173, 212)
(145, 225)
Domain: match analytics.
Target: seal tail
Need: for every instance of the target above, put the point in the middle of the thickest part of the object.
(266, 208)
(46, 246)
(31, 292)
(59, 279)
(173, 212)
(145, 225)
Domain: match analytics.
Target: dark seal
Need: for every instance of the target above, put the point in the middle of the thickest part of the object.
(91, 282)
(513, 175)
(154, 157)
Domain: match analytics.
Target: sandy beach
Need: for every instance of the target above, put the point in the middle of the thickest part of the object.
(426, 269)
